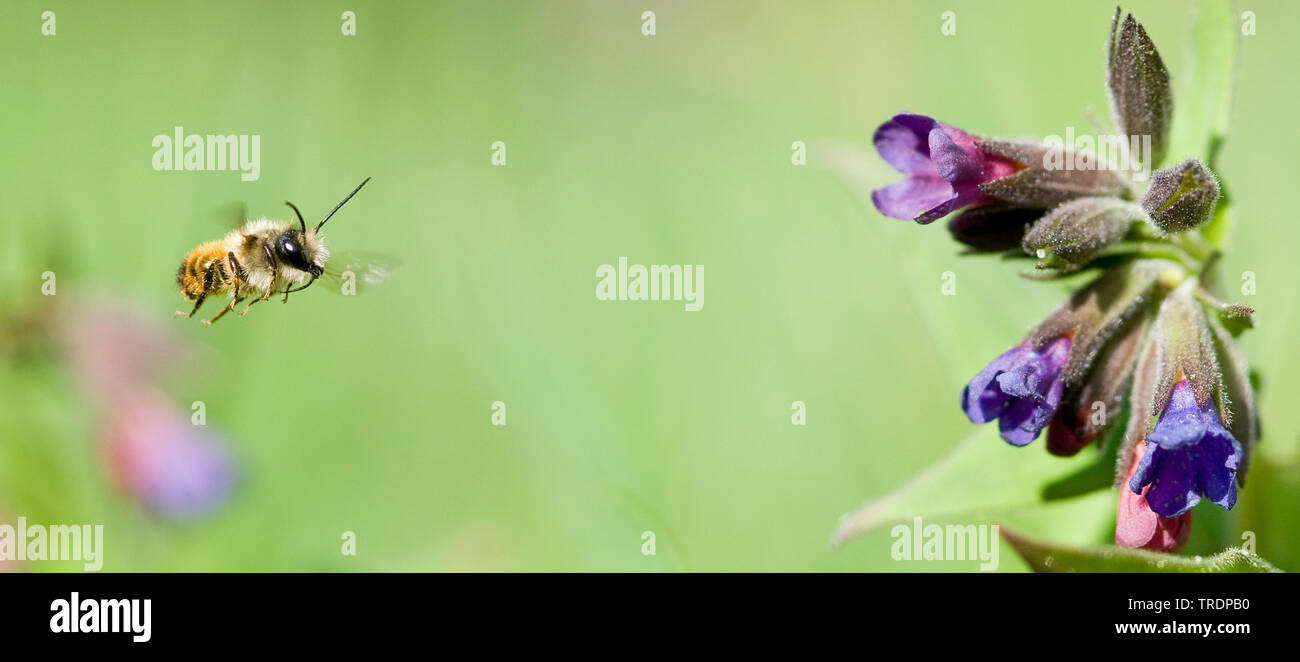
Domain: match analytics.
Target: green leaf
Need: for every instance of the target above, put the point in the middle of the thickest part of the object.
(983, 473)
(1046, 557)
(1203, 87)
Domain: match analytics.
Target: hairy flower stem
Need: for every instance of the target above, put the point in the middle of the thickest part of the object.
(1161, 249)
(1195, 244)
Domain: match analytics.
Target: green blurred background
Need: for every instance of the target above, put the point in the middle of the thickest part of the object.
(372, 414)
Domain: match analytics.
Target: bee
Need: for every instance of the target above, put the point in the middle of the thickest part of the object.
(266, 257)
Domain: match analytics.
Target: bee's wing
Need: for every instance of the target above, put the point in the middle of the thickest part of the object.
(229, 216)
(357, 272)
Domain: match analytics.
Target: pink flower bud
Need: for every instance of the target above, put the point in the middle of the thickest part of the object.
(1137, 526)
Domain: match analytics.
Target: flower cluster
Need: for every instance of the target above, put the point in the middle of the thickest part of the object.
(1143, 354)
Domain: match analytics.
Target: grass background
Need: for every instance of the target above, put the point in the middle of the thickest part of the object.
(371, 414)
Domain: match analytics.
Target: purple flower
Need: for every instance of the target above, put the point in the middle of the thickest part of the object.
(1022, 389)
(1189, 455)
(176, 469)
(944, 168)
(153, 451)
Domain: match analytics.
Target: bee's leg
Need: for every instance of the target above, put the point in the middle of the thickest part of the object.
(197, 302)
(207, 287)
(254, 300)
(275, 273)
(228, 307)
(235, 270)
(235, 283)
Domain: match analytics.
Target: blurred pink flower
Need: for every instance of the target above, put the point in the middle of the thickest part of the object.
(113, 350)
(152, 450)
(178, 469)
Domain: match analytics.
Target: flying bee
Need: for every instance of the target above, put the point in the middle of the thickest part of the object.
(268, 257)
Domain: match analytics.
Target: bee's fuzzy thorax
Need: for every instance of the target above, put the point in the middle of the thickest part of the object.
(257, 268)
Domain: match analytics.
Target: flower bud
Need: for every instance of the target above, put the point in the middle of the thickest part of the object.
(1139, 527)
(1108, 318)
(1037, 184)
(1097, 313)
(1141, 98)
(943, 164)
(1076, 231)
(993, 226)
(1023, 387)
(1099, 400)
(1235, 317)
(1181, 197)
(1178, 415)
(1186, 352)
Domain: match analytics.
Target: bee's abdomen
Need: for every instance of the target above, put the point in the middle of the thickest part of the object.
(204, 271)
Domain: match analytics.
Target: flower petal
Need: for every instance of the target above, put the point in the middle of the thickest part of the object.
(1218, 457)
(955, 161)
(903, 147)
(961, 197)
(989, 401)
(911, 196)
(1022, 421)
(1182, 423)
(1174, 490)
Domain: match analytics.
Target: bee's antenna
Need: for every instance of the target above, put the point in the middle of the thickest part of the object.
(336, 207)
(301, 222)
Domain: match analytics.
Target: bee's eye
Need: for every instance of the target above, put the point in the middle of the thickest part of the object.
(290, 251)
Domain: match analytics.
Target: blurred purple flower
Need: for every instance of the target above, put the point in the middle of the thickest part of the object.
(1189, 455)
(178, 469)
(1021, 388)
(153, 450)
(944, 168)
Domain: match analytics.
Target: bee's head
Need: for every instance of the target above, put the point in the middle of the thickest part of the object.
(298, 250)
(303, 249)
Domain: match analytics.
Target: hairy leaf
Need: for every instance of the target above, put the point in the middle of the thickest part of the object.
(1047, 557)
(982, 473)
